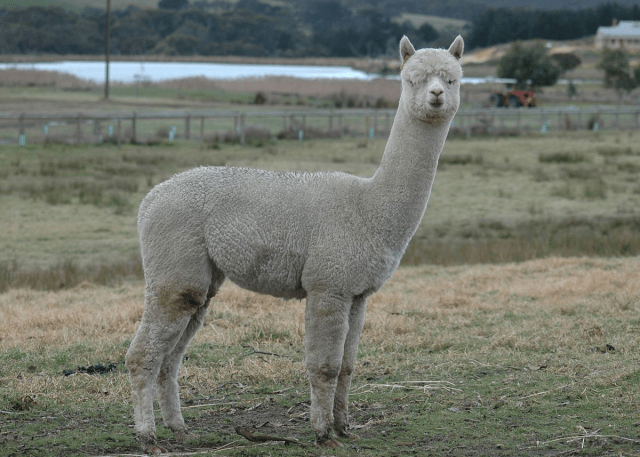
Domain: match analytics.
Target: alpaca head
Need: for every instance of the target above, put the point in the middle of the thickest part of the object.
(431, 81)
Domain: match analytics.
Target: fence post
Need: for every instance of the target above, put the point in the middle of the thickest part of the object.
(187, 126)
(119, 132)
(201, 128)
(79, 128)
(559, 120)
(133, 127)
(21, 129)
(243, 138)
(96, 130)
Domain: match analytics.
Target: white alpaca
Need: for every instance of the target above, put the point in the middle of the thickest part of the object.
(331, 238)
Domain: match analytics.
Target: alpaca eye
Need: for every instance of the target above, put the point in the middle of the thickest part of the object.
(451, 81)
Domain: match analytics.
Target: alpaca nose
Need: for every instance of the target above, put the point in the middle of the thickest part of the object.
(437, 91)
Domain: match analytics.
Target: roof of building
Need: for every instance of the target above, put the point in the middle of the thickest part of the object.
(623, 29)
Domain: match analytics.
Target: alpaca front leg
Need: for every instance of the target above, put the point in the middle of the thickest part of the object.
(326, 326)
(341, 403)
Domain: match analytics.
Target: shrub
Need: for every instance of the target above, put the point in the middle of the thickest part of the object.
(461, 159)
(562, 157)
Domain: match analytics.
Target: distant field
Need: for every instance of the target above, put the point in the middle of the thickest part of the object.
(494, 200)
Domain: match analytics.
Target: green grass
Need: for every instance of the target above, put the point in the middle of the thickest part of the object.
(494, 200)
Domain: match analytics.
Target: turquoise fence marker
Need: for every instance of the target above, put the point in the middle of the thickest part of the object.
(595, 126)
(372, 133)
(300, 135)
(45, 129)
(22, 139)
(544, 128)
(172, 133)
(110, 131)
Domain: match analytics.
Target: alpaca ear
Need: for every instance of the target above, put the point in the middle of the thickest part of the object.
(406, 49)
(457, 47)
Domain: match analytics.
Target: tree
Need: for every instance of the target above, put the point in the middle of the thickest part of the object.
(566, 61)
(173, 4)
(617, 74)
(529, 66)
(427, 32)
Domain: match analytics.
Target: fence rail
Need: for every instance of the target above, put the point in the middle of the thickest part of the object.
(243, 126)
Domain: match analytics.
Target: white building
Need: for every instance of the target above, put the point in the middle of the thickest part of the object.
(626, 34)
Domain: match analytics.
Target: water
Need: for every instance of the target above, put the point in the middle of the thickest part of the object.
(130, 72)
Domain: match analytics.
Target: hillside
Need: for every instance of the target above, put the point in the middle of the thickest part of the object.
(459, 9)
(79, 5)
(552, 4)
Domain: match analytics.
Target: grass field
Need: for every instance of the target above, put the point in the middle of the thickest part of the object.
(494, 200)
(511, 328)
(536, 358)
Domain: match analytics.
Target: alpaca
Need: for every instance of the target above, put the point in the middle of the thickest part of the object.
(331, 238)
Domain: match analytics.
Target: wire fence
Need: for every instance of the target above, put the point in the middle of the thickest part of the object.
(251, 126)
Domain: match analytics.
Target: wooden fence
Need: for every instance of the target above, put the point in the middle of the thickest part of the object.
(243, 126)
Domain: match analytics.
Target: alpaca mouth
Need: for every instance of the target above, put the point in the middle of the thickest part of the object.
(436, 104)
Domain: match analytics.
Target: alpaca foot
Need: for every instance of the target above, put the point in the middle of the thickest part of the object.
(329, 442)
(184, 435)
(342, 432)
(149, 446)
(349, 436)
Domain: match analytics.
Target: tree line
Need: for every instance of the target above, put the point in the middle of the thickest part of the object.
(247, 28)
(293, 29)
(504, 25)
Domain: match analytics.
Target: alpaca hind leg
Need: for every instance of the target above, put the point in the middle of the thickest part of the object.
(167, 382)
(326, 325)
(341, 402)
(156, 337)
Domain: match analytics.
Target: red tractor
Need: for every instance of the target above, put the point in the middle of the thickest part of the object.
(514, 99)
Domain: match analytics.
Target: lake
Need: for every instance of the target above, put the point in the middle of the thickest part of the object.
(131, 72)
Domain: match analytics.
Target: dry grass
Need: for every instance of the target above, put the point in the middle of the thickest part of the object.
(542, 306)
(12, 77)
(546, 345)
(383, 89)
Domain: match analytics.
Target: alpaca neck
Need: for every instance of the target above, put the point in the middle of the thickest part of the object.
(402, 184)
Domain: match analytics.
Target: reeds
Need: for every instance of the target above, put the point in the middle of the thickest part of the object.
(67, 274)
(12, 77)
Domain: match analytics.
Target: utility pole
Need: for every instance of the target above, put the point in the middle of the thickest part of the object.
(107, 32)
